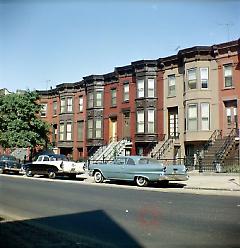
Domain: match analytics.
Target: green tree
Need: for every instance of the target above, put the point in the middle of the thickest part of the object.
(20, 125)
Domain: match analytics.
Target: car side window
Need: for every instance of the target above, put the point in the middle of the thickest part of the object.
(45, 158)
(130, 161)
(120, 161)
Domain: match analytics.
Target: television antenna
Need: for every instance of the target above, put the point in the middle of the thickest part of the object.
(227, 26)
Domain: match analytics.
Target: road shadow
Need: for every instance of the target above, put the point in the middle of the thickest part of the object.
(88, 229)
(173, 185)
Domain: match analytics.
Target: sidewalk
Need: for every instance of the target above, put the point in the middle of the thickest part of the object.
(213, 181)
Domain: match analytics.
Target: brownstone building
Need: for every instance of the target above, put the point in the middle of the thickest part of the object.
(166, 108)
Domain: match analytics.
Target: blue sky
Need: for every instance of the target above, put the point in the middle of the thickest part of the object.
(45, 43)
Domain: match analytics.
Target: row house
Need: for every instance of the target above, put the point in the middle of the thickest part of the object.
(166, 108)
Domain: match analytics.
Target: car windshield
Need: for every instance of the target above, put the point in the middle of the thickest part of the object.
(149, 161)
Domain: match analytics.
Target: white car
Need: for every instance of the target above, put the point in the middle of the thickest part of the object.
(54, 164)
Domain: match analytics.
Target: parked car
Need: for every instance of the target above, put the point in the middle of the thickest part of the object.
(53, 165)
(140, 169)
(9, 163)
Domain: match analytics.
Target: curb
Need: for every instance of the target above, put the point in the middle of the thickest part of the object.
(204, 188)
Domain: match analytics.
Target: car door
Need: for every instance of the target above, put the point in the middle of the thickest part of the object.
(115, 169)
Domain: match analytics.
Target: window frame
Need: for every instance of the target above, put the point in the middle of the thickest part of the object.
(225, 77)
(204, 79)
(126, 92)
(140, 90)
(205, 118)
(192, 118)
(194, 81)
(151, 91)
(169, 80)
(140, 121)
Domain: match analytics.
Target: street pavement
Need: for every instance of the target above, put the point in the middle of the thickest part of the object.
(81, 214)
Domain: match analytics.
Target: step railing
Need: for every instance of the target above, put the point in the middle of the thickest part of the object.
(215, 135)
(158, 154)
(221, 153)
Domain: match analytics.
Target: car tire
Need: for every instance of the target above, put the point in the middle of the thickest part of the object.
(28, 173)
(98, 177)
(141, 181)
(51, 174)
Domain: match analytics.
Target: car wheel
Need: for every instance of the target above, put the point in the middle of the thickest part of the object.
(98, 177)
(141, 181)
(51, 174)
(29, 173)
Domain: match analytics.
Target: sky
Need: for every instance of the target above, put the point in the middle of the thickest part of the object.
(44, 43)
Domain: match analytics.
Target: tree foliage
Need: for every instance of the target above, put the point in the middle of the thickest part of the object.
(20, 125)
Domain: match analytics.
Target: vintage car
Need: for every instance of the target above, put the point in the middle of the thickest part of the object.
(140, 169)
(53, 165)
(9, 163)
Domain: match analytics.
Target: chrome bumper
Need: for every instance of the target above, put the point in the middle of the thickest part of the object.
(174, 177)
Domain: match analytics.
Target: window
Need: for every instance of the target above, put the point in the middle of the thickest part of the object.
(63, 105)
(140, 88)
(151, 120)
(205, 116)
(69, 131)
(126, 92)
(204, 77)
(43, 112)
(192, 117)
(228, 76)
(235, 114)
(55, 108)
(69, 104)
(151, 87)
(90, 100)
(61, 132)
(98, 128)
(80, 103)
(229, 116)
(171, 85)
(140, 121)
(192, 78)
(90, 129)
(99, 99)
(113, 97)
(80, 130)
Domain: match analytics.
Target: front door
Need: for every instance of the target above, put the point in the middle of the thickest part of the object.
(173, 123)
(231, 117)
(126, 124)
(112, 130)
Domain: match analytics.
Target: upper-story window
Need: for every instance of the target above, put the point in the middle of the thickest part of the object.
(204, 77)
(43, 112)
(151, 87)
(140, 121)
(98, 128)
(126, 92)
(113, 97)
(99, 100)
(90, 129)
(90, 100)
(228, 82)
(55, 108)
(192, 122)
(61, 131)
(63, 105)
(151, 120)
(140, 88)
(205, 124)
(69, 104)
(192, 78)
(69, 131)
(80, 103)
(171, 85)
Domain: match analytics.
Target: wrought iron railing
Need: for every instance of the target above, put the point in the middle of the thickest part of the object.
(215, 135)
(220, 154)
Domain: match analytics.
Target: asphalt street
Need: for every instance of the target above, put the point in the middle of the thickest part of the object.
(119, 217)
